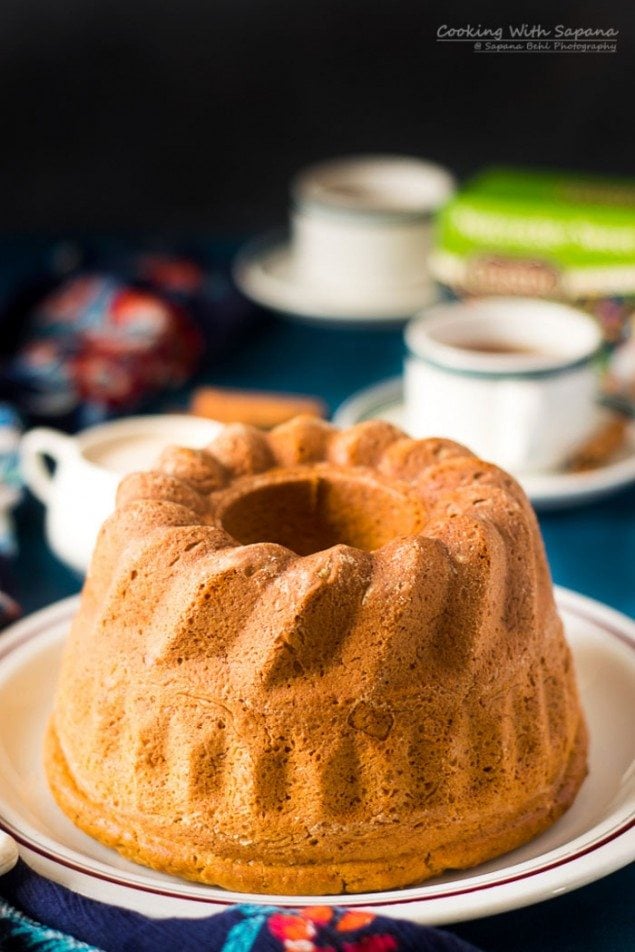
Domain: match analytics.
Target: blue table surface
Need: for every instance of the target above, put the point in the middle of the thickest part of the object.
(591, 549)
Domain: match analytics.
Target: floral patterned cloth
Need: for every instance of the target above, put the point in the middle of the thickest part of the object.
(71, 919)
(19, 933)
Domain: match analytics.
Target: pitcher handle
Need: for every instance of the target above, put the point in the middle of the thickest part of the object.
(35, 445)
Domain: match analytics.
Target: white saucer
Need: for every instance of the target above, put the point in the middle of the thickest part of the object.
(264, 272)
(594, 838)
(554, 490)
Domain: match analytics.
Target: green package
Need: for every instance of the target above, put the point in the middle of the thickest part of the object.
(551, 233)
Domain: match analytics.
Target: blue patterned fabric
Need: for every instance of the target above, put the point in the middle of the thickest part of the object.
(10, 477)
(243, 928)
(18, 932)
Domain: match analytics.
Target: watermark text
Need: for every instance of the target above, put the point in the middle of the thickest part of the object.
(530, 38)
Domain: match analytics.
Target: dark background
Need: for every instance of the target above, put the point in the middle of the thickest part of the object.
(194, 114)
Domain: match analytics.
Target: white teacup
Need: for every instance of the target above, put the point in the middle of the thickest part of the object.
(363, 225)
(514, 379)
(80, 494)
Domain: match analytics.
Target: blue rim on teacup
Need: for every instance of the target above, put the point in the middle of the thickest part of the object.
(558, 338)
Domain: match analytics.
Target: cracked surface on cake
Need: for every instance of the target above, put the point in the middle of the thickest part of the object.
(316, 661)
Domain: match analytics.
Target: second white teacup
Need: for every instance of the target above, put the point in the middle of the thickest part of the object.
(362, 225)
(514, 379)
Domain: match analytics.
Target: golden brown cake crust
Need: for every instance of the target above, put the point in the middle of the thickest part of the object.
(160, 849)
(315, 661)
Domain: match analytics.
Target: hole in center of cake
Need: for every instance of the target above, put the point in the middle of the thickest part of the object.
(309, 514)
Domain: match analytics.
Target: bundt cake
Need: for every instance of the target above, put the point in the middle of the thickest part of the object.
(317, 661)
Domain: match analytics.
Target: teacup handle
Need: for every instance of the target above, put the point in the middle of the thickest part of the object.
(34, 446)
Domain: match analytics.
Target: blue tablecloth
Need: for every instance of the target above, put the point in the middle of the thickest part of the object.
(591, 549)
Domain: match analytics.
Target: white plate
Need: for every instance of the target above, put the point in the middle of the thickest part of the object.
(595, 837)
(546, 490)
(264, 272)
